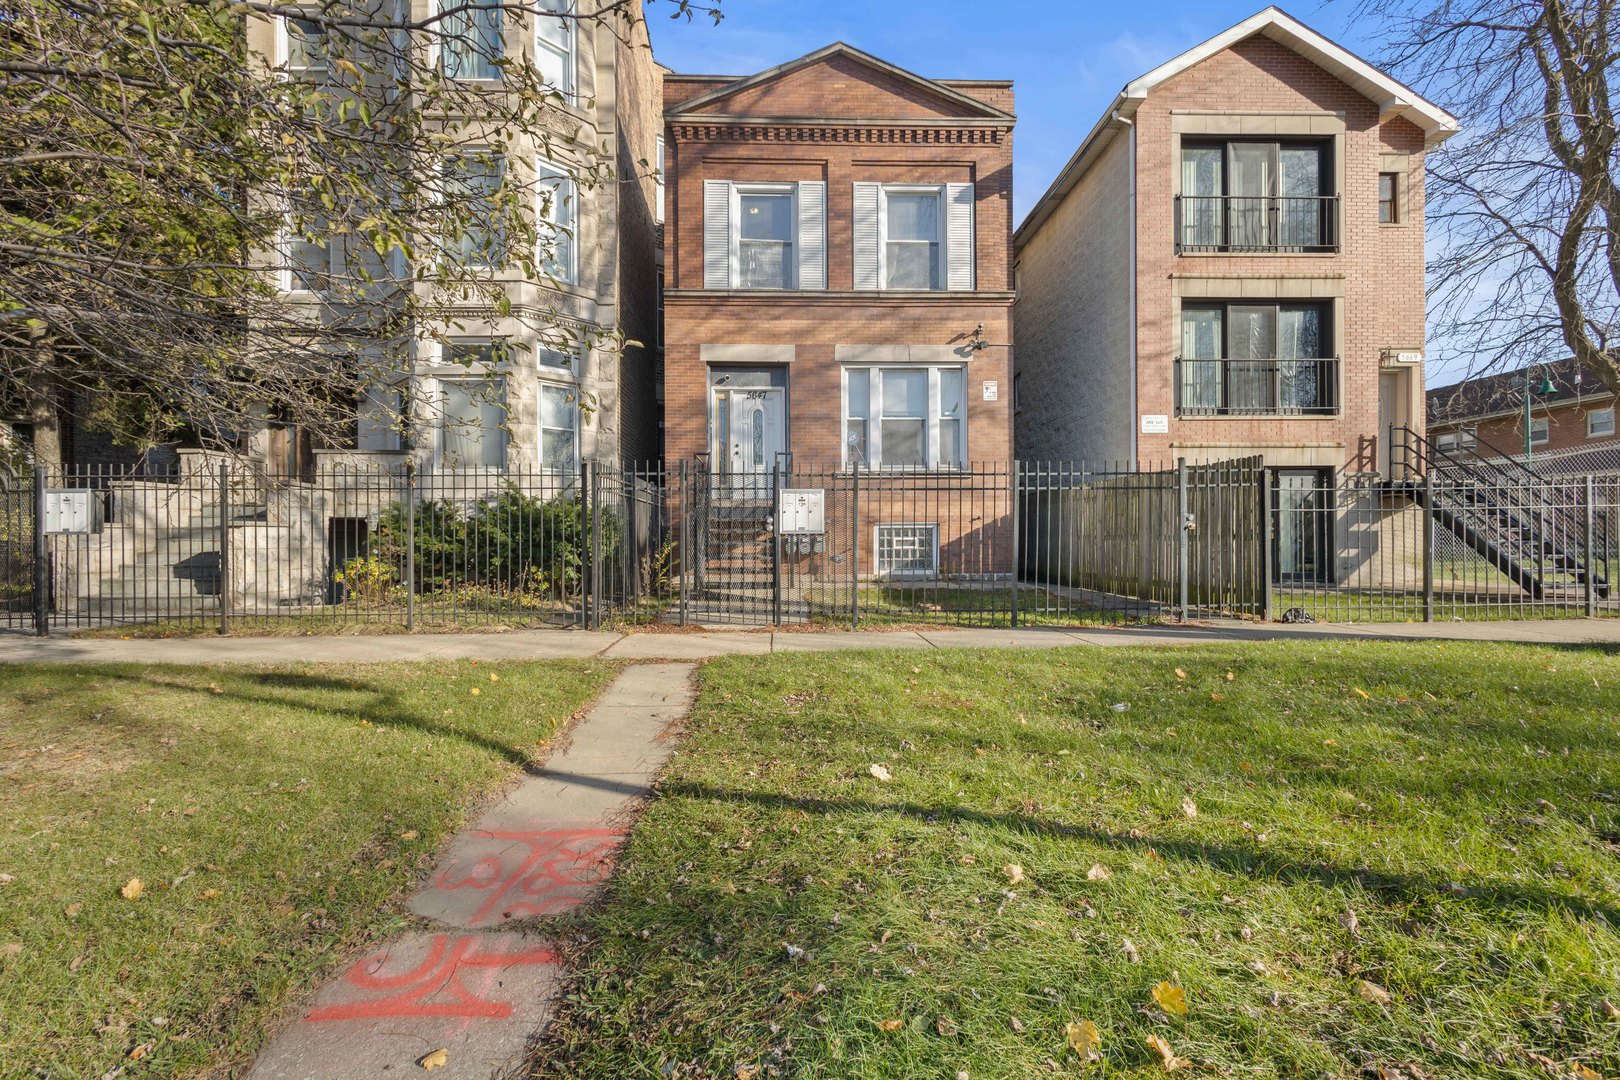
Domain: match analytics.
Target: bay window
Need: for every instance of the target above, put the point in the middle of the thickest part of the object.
(471, 47)
(471, 184)
(559, 427)
(1245, 359)
(472, 422)
(559, 222)
(905, 417)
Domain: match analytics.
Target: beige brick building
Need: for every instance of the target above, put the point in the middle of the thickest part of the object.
(1231, 264)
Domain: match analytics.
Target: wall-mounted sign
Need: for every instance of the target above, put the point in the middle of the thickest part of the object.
(1155, 424)
(991, 390)
(802, 512)
(1409, 358)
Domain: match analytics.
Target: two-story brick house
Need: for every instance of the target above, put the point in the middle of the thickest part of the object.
(1571, 419)
(1231, 264)
(838, 287)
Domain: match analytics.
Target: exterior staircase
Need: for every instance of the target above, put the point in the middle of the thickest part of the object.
(171, 571)
(734, 580)
(1505, 512)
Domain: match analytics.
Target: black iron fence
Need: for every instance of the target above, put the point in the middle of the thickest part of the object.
(220, 545)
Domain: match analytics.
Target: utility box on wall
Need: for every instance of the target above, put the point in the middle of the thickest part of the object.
(802, 512)
(72, 510)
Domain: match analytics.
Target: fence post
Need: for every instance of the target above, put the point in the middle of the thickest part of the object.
(224, 547)
(1427, 517)
(42, 558)
(1589, 560)
(410, 546)
(855, 545)
(686, 506)
(1268, 600)
(1017, 508)
(776, 542)
(1183, 536)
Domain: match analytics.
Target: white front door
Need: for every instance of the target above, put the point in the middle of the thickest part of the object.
(755, 438)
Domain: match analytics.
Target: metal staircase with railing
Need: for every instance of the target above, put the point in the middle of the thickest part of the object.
(1517, 520)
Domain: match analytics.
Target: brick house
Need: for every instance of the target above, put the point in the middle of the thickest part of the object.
(838, 275)
(1572, 418)
(1231, 264)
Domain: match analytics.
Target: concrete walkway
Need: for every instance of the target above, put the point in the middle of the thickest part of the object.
(478, 978)
(699, 645)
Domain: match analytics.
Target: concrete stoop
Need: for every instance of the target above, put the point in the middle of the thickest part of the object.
(480, 983)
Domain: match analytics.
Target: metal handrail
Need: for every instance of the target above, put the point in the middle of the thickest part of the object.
(1257, 223)
(1326, 401)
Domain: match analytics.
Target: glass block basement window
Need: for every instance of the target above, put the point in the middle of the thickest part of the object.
(907, 550)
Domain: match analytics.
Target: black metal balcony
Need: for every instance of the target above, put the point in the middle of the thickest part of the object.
(1257, 387)
(1238, 224)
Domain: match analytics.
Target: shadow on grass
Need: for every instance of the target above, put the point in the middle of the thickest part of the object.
(1242, 861)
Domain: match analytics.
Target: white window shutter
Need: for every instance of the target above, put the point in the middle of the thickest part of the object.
(959, 237)
(716, 234)
(812, 244)
(868, 243)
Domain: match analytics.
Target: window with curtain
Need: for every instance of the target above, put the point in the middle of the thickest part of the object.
(1389, 209)
(559, 427)
(559, 222)
(472, 45)
(765, 240)
(1254, 358)
(555, 52)
(1540, 431)
(1252, 195)
(1600, 422)
(911, 240)
(472, 419)
(472, 183)
(911, 417)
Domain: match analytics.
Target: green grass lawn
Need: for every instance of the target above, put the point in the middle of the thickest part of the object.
(1349, 856)
(272, 817)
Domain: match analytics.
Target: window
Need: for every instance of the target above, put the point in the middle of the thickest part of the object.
(658, 182)
(1453, 441)
(472, 46)
(1539, 432)
(560, 359)
(303, 45)
(471, 184)
(379, 423)
(1255, 359)
(472, 419)
(559, 426)
(765, 239)
(905, 417)
(1389, 188)
(907, 550)
(555, 52)
(1245, 195)
(559, 222)
(1018, 393)
(1600, 422)
(309, 251)
(911, 239)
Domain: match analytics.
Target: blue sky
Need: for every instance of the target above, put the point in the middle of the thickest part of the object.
(1067, 59)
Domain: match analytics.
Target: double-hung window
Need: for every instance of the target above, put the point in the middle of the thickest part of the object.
(309, 249)
(910, 417)
(1463, 439)
(556, 53)
(558, 213)
(471, 212)
(303, 44)
(1247, 195)
(911, 248)
(1244, 359)
(1540, 431)
(471, 414)
(1389, 198)
(1600, 423)
(765, 238)
(559, 427)
(472, 43)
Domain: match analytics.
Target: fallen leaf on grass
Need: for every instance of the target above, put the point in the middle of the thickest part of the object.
(132, 890)
(1014, 872)
(1213, 696)
(1608, 1008)
(475, 691)
(1189, 807)
(1154, 856)
(746, 1072)
(1128, 947)
(72, 910)
(1084, 1040)
(409, 834)
(1363, 694)
(1349, 921)
(10, 949)
(946, 1026)
(1230, 676)
(438, 1059)
(1167, 1056)
(891, 1025)
(1581, 1071)
(880, 773)
(1171, 998)
(1098, 872)
(1017, 1025)
(1372, 992)
(1180, 674)
(140, 1051)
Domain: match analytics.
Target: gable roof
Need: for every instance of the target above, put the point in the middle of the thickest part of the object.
(1394, 98)
(972, 107)
(1503, 392)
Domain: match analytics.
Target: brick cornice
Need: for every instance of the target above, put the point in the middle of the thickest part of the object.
(882, 132)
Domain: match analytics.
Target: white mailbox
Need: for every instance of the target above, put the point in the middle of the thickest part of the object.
(802, 512)
(72, 510)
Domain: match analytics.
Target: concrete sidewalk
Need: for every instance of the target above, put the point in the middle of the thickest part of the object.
(702, 644)
(477, 979)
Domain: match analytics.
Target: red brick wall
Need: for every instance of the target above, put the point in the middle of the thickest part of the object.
(1381, 267)
(1566, 428)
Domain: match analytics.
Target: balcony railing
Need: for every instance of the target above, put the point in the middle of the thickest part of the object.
(1257, 387)
(1257, 223)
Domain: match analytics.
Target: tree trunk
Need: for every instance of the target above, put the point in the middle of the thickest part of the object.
(45, 408)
